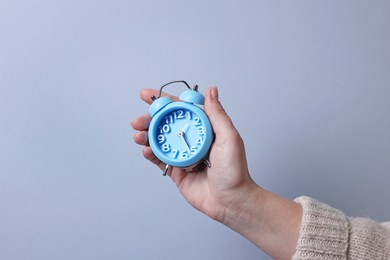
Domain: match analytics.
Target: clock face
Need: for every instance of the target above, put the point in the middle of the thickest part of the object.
(181, 136)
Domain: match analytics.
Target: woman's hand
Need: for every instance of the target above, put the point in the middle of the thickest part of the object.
(209, 189)
(225, 191)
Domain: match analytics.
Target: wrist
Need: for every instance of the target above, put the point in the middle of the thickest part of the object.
(269, 221)
(237, 210)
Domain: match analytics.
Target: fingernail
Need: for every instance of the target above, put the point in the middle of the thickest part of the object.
(214, 93)
(132, 123)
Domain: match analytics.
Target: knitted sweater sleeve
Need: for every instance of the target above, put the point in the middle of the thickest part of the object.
(326, 233)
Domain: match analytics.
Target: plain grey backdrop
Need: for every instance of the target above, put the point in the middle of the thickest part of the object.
(307, 83)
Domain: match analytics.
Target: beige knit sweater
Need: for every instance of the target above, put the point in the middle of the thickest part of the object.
(326, 233)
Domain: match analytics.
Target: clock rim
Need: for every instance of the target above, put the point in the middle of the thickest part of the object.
(204, 150)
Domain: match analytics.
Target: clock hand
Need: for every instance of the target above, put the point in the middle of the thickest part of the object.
(185, 129)
(181, 136)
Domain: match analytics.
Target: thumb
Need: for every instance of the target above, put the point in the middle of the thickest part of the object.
(219, 119)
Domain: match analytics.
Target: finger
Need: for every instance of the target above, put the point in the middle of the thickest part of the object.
(149, 155)
(219, 119)
(141, 138)
(146, 95)
(141, 123)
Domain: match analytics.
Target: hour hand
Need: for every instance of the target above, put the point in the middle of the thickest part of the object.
(185, 129)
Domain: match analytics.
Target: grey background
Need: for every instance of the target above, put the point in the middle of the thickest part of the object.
(305, 82)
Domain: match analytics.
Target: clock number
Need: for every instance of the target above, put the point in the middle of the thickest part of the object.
(201, 130)
(193, 149)
(165, 148)
(184, 154)
(188, 114)
(175, 153)
(165, 129)
(200, 140)
(197, 121)
(179, 114)
(160, 138)
(169, 119)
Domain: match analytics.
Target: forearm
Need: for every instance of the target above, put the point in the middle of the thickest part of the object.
(269, 221)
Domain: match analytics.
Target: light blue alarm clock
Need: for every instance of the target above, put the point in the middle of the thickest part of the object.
(180, 133)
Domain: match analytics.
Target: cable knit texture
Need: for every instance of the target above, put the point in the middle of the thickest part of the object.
(326, 233)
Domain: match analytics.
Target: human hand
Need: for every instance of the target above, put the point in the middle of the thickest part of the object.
(225, 191)
(212, 190)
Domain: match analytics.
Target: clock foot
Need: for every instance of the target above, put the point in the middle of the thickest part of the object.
(166, 170)
(207, 162)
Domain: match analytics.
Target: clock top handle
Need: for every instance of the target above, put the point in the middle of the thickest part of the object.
(191, 96)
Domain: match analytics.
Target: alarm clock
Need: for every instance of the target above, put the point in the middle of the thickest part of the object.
(180, 133)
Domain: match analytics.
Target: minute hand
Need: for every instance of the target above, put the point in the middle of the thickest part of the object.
(181, 136)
